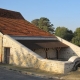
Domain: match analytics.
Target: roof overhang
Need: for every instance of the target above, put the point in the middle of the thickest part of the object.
(56, 44)
(33, 38)
(40, 44)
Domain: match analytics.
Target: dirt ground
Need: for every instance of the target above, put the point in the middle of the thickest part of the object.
(13, 75)
(74, 75)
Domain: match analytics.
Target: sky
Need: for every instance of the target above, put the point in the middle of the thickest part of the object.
(60, 12)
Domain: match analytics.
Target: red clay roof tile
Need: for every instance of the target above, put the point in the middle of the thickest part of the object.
(10, 14)
(13, 23)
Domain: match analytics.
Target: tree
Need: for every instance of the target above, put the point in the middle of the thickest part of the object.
(64, 33)
(35, 22)
(44, 24)
(76, 38)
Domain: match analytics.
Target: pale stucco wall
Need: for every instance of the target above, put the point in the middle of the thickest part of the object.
(51, 53)
(19, 54)
(41, 52)
(72, 50)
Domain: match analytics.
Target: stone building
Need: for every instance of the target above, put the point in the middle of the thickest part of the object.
(23, 44)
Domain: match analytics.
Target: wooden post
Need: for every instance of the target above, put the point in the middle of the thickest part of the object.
(46, 53)
(58, 49)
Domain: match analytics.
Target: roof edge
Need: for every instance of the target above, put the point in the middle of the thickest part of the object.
(33, 38)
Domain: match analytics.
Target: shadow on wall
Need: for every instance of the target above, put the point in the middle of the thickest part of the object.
(11, 61)
(66, 53)
(72, 50)
(21, 59)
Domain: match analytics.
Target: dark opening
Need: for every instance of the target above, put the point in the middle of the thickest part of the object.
(6, 55)
(76, 66)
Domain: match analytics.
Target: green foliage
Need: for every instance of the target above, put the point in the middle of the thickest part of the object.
(76, 38)
(44, 24)
(35, 22)
(64, 33)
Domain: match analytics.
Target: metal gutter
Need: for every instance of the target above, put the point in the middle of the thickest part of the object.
(33, 38)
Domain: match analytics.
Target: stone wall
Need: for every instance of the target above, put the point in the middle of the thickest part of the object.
(51, 53)
(41, 52)
(19, 54)
(72, 50)
(22, 56)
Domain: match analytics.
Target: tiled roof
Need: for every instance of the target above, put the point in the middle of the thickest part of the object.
(12, 23)
(10, 14)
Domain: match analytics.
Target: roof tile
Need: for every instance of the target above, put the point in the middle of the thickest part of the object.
(13, 23)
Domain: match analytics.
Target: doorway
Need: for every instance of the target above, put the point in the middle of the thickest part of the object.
(6, 55)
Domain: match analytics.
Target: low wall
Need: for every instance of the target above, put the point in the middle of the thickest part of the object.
(52, 66)
(19, 54)
(72, 50)
(22, 56)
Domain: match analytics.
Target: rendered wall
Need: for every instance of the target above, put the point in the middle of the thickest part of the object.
(72, 50)
(51, 53)
(41, 52)
(19, 54)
